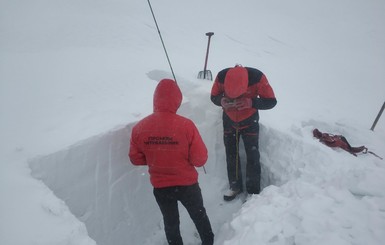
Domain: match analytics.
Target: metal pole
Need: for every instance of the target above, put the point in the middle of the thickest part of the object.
(161, 39)
(378, 117)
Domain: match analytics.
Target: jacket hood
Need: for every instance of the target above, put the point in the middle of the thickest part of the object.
(236, 82)
(167, 96)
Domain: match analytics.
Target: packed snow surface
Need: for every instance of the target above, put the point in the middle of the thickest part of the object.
(75, 76)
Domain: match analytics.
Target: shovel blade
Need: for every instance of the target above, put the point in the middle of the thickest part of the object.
(205, 75)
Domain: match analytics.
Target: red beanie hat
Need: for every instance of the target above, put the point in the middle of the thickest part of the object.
(236, 82)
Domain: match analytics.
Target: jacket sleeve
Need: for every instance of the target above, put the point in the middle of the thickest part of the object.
(217, 92)
(136, 156)
(266, 97)
(197, 151)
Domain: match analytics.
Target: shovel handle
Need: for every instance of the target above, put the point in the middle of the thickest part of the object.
(209, 34)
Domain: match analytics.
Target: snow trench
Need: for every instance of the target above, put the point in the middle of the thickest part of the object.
(101, 188)
(114, 198)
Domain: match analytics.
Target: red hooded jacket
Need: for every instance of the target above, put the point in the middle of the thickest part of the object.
(247, 82)
(169, 144)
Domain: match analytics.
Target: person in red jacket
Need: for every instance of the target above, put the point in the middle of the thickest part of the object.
(241, 92)
(172, 147)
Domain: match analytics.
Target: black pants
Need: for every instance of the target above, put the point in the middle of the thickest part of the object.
(250, 136)
(191, 198)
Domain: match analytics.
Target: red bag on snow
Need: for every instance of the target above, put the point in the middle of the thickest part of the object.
(340, 141)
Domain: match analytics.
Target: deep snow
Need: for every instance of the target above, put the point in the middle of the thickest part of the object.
(76, 75)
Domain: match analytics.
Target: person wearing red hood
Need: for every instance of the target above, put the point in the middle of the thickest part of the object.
(172, 147)
(241, 92)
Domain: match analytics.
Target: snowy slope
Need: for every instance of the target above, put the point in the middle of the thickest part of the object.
(76, 75)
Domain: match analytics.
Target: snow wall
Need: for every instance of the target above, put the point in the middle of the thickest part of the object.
(114, 198)
(101, 188)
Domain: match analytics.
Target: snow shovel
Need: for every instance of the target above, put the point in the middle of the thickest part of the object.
(206, 74)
